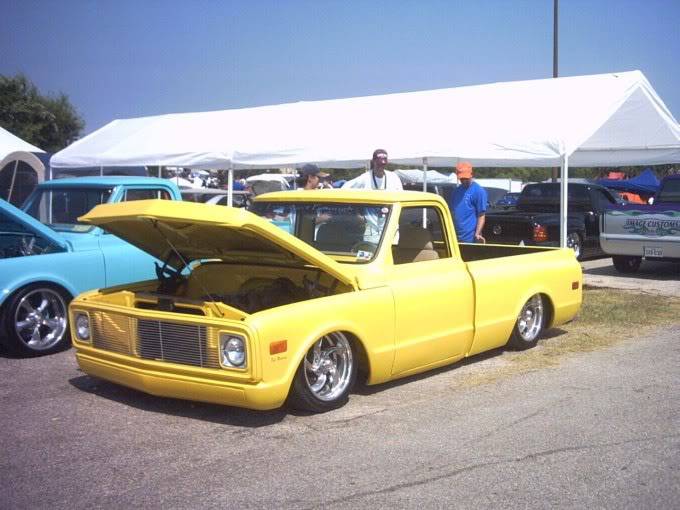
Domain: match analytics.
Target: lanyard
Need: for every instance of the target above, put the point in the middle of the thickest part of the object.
(375, 183)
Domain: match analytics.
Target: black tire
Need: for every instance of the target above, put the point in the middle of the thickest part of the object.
(624, 264)
(325, 376)
(36, 320)
(575, 242)
(530, 324)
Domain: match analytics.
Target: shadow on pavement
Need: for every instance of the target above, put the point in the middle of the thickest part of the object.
(224, 415)
(362, 389)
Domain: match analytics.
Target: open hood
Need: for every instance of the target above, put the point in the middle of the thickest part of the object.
(203, 232)
(28, 222)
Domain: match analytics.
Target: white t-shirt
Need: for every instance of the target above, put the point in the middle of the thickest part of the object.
(367, 180)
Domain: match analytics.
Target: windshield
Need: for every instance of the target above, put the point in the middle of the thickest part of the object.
(60, 208)
(351, 230)
(670, 193)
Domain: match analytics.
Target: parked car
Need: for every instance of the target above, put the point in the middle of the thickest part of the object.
(632, 232)
(215, 196)
(252, 316)
(47, 256)
(443, 189)
(493, 195)
(536, 219)
(508, 201)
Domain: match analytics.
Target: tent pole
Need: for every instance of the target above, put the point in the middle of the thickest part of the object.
(230, 185)
(424, 174)
(101, 171)
(424, 190)
(14, 176)
(564, 184)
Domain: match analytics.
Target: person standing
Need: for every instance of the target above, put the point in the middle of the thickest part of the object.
(310, 177)
(377, 177)
(468, 206)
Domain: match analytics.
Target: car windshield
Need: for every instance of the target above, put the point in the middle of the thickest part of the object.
(348, 230)
(670, 193)
(60, 208)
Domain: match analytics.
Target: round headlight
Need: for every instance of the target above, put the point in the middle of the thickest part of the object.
(233, 351)
(82, 327)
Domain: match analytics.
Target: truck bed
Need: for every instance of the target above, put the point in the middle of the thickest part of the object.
(471, 252)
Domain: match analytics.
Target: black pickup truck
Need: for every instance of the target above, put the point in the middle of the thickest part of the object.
(536, 220)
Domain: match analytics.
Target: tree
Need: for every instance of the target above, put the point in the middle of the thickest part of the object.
(48, 122)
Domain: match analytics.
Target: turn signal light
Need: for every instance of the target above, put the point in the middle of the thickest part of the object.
(540, 233)
(278, 347)
(574, 285)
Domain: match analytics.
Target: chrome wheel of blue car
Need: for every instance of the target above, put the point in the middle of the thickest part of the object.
(37, 322)
(326, 375)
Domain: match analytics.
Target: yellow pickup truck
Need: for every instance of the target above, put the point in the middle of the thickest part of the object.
(290, 301)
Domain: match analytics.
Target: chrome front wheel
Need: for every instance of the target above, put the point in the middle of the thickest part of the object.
(326, 374)
(37, 321)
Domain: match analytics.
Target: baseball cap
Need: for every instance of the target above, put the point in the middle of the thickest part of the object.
(311, 169)
(464, 170)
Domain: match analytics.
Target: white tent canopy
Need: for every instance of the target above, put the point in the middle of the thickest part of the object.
(13, 151)
(608, 119)
(418, 176)
(10, 143)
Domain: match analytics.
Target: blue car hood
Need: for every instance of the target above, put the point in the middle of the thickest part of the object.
(31, 224)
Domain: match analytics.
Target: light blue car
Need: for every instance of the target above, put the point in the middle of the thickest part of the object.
(47, 257)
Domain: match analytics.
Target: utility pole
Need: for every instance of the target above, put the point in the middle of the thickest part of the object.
(555, 10)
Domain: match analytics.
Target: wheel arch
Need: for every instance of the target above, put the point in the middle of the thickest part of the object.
(18, 285)
(547, 300)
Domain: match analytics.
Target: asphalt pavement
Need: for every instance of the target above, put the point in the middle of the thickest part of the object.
(599, 430)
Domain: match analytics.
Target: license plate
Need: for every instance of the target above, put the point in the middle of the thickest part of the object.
(650, 251)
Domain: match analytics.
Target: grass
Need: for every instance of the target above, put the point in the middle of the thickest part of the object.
(607, 317)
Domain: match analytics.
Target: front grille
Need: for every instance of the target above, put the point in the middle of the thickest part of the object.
(171, 342)
(175, 343)
(111, 332)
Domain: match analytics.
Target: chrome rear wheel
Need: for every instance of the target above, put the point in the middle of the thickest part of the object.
(574, 242)
(530, 323)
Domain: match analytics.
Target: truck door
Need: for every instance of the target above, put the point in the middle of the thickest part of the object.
(433, 293)
(125, 263)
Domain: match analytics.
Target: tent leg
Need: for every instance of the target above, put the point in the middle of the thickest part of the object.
(230, 185)
(11, 186)
(564, 185)
(424, 174)
(424, 190)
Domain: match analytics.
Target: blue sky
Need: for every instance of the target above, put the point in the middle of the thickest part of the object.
(119, 58)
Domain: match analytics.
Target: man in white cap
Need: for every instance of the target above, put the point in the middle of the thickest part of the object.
(377, 177)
